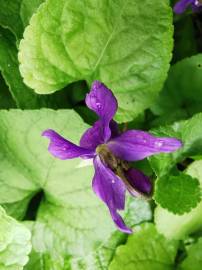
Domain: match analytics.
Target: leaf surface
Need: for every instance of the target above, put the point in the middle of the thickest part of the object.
(146, 249)
(125, 44)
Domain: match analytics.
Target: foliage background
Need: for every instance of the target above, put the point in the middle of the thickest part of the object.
(50, 52)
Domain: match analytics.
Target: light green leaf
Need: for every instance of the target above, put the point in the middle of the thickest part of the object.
(179, 194)
(24, 166)
(176, 96)
(190, 133)
(60, 227)
(15, 243)
(179, 226)
(73, 225)
(193, 261)
(146, 249)
(125, 44)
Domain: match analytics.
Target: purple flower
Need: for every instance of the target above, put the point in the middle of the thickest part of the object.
(111, 153)
(182, 5)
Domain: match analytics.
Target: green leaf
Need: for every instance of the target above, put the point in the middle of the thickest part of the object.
(193, 260)
(10, 16)
(185, 38)
(15, 243)
(146, 249)
(6, 100)
(58, 228)
(190, 133)
(24, 97)
(27, 9)
(176, 97)
(15, 15)
(73, 225)
(125, 44)
(179, 226)
(24, 165)
(179, 194)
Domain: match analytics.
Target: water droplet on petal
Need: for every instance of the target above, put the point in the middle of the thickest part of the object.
(113, 181)
(158, 144)
(144, 141)
(99, 106)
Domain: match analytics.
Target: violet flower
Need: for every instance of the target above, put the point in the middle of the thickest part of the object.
(111, 153)
(182, 5)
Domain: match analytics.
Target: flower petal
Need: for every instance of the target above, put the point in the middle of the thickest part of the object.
(94, 136)
(197, 6)
(111, 190)
(102, 101)
(114, 128)
(108, 186)
(135, 145)
(182, 5)
(118, 220)
(138, 181)
(64, 149)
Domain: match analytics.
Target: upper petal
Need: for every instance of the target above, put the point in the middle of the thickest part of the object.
(114, 128)
(64, 149)
(135, 145)
(111, 190)
(94, 136)
(182, 5)
(102, 101)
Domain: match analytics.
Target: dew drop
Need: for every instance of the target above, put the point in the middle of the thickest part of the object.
(158, 144)
(113, 181)
(99, 106)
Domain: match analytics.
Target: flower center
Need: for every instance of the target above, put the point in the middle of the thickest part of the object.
(198, 2)
(109, 159)
(118, 166)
